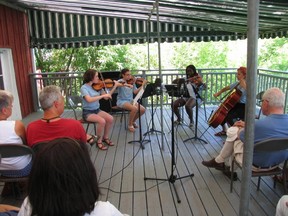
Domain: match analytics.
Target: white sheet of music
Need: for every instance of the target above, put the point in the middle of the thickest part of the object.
(138, 96)
(191, 90)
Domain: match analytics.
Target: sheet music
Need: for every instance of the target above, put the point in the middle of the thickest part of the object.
(138, 96)
(191, 90)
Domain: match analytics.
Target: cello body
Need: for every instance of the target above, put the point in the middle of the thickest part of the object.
(219, 115)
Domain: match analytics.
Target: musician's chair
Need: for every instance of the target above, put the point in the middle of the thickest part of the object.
(75, 102)
(266, 146)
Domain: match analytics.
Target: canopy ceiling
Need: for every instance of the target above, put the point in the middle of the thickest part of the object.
(75, 23)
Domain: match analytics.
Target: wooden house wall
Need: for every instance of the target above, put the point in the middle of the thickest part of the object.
(14, 34)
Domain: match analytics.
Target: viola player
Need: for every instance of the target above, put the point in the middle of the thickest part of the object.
(125, 98)
(238, 111)
(91, 107)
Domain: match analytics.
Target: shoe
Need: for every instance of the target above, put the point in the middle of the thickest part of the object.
(177, 122)
(92, 140)
(135, 125)
(191, 124)
(108, 141)
(213, 164)
(101, 146)
(221, 133)
(227, 173)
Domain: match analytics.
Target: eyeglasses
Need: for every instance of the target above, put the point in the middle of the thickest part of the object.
(261, 101)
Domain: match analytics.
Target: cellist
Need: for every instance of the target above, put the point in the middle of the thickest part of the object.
(238, 111)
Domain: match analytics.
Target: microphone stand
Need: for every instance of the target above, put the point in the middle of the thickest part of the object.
(172, 178)
(196, 121)
(141, 141)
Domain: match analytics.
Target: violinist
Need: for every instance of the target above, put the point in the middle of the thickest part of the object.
(125, 98)
(194, 79)
(238, 111)
(91, 107)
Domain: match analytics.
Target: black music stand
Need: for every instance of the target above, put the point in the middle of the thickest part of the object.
(181, 92)
(141, 140)
(151, 90)
(196, 120)
(172, 178)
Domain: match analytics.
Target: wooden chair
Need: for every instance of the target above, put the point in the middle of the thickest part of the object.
(75, 102)
(14, 150)
(267, 146)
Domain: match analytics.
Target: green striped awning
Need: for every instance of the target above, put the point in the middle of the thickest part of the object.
(56, 30)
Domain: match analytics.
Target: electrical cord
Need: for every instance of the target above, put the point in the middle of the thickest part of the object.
(122, 168)
(137, 191)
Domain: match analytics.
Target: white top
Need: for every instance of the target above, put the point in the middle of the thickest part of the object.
(100, 209)
(8, 135)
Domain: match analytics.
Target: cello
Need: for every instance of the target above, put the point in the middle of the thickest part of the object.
(219, 115)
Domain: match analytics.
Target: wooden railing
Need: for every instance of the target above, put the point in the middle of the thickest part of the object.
(215, 79)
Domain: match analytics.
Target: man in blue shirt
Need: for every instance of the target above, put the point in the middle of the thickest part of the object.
(273, 126)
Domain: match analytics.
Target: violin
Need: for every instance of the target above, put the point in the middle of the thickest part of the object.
(107, 83)
(138, 81)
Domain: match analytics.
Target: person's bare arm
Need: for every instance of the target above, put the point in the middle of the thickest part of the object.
(20, 130)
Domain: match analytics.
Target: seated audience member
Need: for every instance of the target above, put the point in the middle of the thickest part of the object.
(282, 206)
(12, 132)
(8, 210)
(52, 126)
(125, 98)
(63, 182)
(273, 126)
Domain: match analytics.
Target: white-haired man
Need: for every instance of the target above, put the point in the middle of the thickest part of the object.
(273, 126)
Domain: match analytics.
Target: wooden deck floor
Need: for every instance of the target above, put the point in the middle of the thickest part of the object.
(122, 169)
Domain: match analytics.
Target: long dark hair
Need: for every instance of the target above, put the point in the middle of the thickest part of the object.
(89, 75)
(63, 180)
(191, 67)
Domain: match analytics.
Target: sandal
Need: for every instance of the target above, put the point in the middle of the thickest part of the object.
(101, 146)
(135, 125)
(92, 140)
(131, 128)
(108, 141)
(221, 133)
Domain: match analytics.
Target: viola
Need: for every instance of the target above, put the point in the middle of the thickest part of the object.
(107, 83)
(219, 115)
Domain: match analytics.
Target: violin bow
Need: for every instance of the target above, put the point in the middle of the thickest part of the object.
(229, 92)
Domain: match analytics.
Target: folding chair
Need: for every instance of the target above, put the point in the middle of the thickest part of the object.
(75, 102)
(267, 146)
(14, 150)
(259, 99)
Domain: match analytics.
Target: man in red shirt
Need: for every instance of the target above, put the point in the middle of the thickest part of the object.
(52, 126)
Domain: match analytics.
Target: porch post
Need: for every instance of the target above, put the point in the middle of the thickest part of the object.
(252, 45)
(160, 72)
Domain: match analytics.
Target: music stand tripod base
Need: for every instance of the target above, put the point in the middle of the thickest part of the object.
(196, 128)
(172, 179)
(141, 140)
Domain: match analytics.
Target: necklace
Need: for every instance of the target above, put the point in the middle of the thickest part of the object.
(49, 119)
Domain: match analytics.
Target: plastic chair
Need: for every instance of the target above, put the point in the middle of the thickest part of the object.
(266, 146)
(75, 102)
(14, 150)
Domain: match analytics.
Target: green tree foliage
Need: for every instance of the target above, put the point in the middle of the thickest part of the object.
(273, 54)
